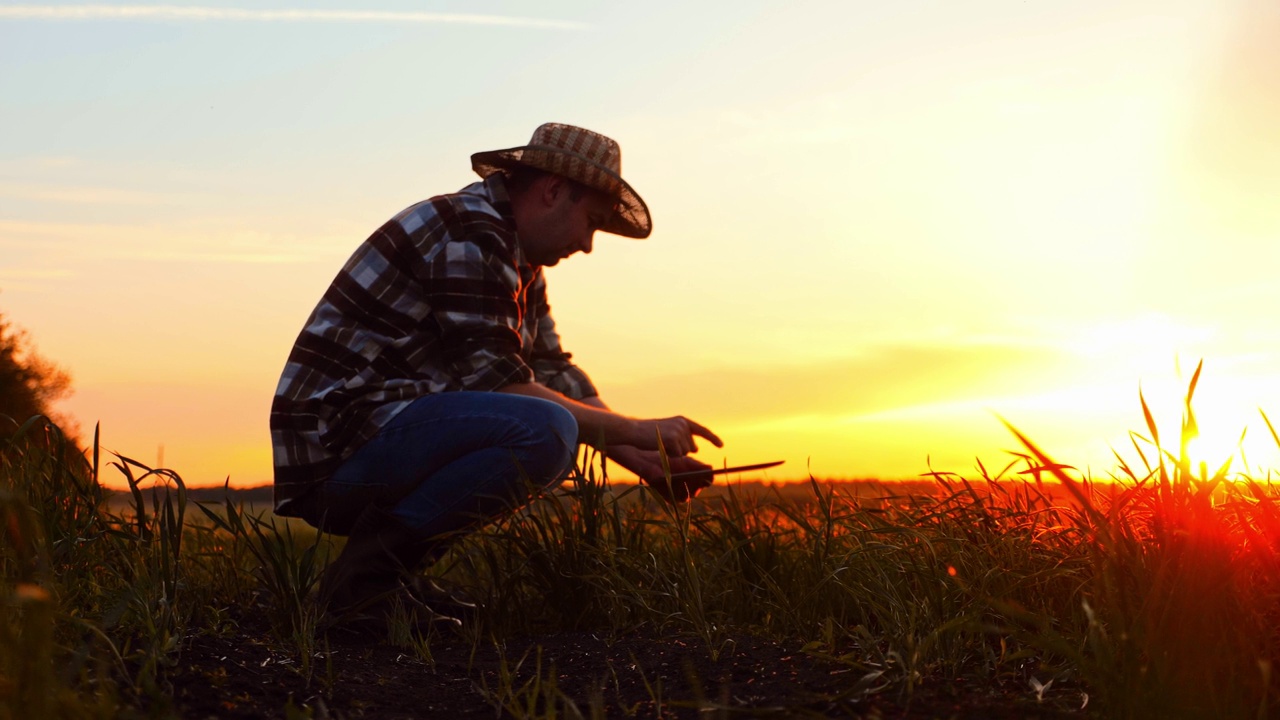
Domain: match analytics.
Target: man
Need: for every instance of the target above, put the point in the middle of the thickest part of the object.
(428, 390)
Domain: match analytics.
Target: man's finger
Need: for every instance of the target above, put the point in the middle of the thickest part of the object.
(703, 432)
(681, 447)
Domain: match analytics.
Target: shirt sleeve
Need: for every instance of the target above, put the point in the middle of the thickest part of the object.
(551, 364)
(473, 288)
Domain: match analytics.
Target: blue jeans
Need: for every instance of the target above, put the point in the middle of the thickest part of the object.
(454, 460)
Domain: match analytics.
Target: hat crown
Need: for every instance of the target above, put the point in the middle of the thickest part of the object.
(590, 145)
(583, 156)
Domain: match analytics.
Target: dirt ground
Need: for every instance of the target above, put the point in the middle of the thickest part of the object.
(238, 675)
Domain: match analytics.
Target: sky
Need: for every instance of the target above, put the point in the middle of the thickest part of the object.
(879, 228)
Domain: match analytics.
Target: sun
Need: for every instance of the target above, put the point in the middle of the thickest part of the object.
(1211, 453)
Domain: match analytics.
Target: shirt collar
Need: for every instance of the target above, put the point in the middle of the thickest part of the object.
(494, 189)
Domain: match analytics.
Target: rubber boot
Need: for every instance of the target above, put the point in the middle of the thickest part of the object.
(440, 597)
(367, 580)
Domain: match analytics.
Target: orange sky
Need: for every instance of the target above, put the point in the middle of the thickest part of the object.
(877, 229)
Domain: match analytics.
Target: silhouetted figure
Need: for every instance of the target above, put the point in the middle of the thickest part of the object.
(429, 391)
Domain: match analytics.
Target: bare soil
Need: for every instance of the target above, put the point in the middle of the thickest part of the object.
(241, 674)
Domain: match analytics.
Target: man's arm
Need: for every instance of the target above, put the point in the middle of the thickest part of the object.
(598, 425)
(552, 366)
(647, 465)
(604, 428)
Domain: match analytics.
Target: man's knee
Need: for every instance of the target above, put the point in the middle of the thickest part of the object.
(556, 443)
(549, 440)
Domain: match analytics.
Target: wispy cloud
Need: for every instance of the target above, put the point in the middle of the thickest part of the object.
(190, 242)
(83, 195)
(879, 379)
(233, 258)
(33, 280)
(196, 13)
(33, 274)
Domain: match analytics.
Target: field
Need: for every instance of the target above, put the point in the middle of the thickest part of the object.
(1023, 591)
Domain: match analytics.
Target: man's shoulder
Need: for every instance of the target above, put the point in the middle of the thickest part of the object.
(453, 211)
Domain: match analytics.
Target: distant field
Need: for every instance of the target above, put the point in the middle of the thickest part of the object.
(959, 597)
(260, 497)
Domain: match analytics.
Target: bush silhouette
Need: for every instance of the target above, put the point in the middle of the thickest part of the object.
(29, 383)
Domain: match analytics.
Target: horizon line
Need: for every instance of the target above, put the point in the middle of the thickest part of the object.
(925, 479)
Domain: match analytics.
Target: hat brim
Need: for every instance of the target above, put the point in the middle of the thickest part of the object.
(631, 217)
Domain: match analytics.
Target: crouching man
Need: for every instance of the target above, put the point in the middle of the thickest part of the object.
(429, 387)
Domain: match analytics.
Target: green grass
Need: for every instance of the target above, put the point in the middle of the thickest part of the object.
(1157, 594)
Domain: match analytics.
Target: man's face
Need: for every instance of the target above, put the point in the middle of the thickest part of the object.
(564, 226)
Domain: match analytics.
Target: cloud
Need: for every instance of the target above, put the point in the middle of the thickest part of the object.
(31, 274)
(83, 195)
(162, 243)
(883, 378)
(33, 280)
(196, 13)
(235, 258)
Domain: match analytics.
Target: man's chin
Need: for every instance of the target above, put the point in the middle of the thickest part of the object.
(551, 261)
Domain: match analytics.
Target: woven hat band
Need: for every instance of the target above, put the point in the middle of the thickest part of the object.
(580, 155)
(589, 172)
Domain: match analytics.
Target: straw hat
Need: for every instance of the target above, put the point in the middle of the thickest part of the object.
(582, 156)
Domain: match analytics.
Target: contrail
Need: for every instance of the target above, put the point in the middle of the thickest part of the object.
(173, 12)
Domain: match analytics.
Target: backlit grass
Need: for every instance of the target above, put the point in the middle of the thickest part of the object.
(1153, 594)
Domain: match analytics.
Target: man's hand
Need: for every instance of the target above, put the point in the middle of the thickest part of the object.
(647, 464)
(598, 424)
(677, 435)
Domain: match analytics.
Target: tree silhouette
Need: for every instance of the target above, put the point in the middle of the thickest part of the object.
(29, 384)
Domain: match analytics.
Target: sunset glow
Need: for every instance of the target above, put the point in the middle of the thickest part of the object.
(879, 228)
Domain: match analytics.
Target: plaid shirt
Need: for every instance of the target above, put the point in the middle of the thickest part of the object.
(438, 299)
